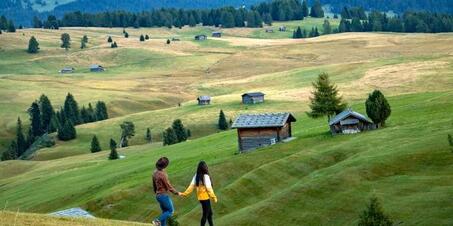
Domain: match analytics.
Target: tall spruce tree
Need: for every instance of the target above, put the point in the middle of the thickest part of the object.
(450, 141)
(169, 136)
(67, 131)
(378, 108)
(325, 100)
(148, 135)
(297, 33)
(113, 153)
(20, 139)
(65, 41)
(33, 45)
(11, 153)
(101, 111)
(47, 112)
(142, 38)
(91, 113)
(374, 215)
(110, 40)
(95, 146)
(180, 130)
(84, 115)
(305, 10)
(327, 29)
(11, 27)
(316, 10)
(35, 119)
(127, 132)
(71, 109)
(222, 124)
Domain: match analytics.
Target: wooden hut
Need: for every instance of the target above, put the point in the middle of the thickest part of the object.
(260, 130)
(201, 37)
(269, 30)
(204, 100)
(217, 34)
(66, 70)
(253, 98)
(350, 122)
(96, 68)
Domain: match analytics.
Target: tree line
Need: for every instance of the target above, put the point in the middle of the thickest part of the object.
(45, 120)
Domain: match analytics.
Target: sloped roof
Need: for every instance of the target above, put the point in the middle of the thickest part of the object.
(346, 113)
(204, 98)
(263, 120)
(94, 66)
(254, 94)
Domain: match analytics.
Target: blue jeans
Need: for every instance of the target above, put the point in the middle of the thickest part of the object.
(166, 205)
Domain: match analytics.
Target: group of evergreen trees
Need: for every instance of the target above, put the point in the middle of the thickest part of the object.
(7, 25)
(177, 133)
(355, 20)
(298, 33)
(33, 44)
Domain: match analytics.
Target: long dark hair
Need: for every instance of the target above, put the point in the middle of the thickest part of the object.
(202, 169)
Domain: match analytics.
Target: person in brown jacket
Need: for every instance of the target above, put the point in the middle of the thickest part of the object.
(162, 189)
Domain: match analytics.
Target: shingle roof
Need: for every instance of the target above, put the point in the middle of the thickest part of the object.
(263, 120)
(93, 66)
(204, 98)
(254, 94)
(346, 113)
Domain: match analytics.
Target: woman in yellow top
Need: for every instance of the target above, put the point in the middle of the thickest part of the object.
(202, 181)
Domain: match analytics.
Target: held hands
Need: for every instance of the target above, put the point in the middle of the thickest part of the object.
(180, 194)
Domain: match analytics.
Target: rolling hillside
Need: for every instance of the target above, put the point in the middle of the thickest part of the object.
(315, 179)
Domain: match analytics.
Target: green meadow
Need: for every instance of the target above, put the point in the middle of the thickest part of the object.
(316, 179)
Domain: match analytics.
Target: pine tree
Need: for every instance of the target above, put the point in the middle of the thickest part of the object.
(83, 42)
(113, 153)
(356, 25)
(325, 100)
(95, 146)
(148, 136)
(110, 40)
(127, 132)
(84, 115)
(298, 33)
(142, 38)
(65, 41)
(33, 45)
(91, 113)
(170, 136)
(114, 45)
(71, 109)
(47, 112)
(35, 119)
(20, 139)
(168, 41)
(305, 8)
(180, 131)
(126, 35)
(378, 108)
(67, 131)
(11, 153)
(101, 111)
(11, 27)
(222, 124)
(189, 133)
(316, 10)
(147, 37)
(374, 215)
(267, 19)
(450, 141)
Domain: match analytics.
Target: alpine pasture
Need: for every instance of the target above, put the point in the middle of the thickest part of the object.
(316, 179)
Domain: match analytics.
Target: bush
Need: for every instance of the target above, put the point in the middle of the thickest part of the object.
(374, 215)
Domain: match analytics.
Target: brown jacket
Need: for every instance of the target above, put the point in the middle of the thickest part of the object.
(161, 184)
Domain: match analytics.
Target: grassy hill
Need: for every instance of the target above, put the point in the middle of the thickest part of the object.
(316, 179)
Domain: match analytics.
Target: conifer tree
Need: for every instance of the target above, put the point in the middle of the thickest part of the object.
(91, 113)
(267, 19)
(189, 133)
(147, 37)
(21, 143)
(101, 111)
(148, 136)
(450, 141)
(47, 112)
(180, 130)
(114, 45)
(67, 131)
(374, 215)
(71, 109)
(378, 108)
(110, 40)
(35, 119)
(316, 10)
(142, 38)
(305, 10)
(127, 132)
(222, 124)
(297, 33)
(325, 100)
(113, 153)
(170, 137)
(11, 153)
(126, 35)
(168, 41)
(11, 27)
(65, 41)
(327, 29)
(95, 146)
(33, 45)
(84, 115)
(85, 39)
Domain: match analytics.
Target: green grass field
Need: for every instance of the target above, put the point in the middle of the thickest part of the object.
(316, 179)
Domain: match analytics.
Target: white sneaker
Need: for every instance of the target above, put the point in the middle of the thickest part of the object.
(156, 222)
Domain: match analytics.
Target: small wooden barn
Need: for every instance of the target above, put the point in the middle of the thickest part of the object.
(269, 30)
(204, 100)
(350, 122)
(253, 98)
(201, 37)
(260, 130)
(66, 70)
(175, 39)
(217, 34)
(96, 68)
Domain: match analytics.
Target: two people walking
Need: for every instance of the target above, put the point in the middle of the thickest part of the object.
(201, 182)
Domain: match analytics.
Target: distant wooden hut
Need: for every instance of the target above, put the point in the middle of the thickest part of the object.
(350, 122)
(67, 70)
(253, 98)
(175, 39)
(260, 130)
(96, 68)
(269, 30)
(217, 34)
(204, 100)
(201, 37)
